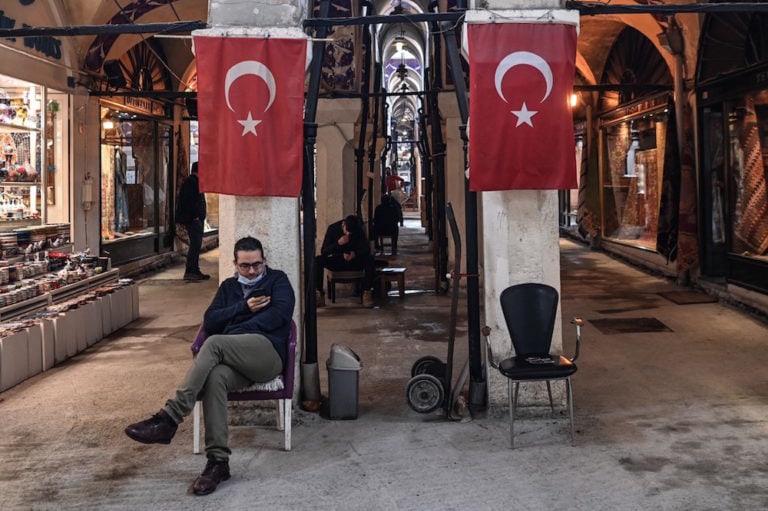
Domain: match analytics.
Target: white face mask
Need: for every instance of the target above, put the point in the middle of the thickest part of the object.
(249, 282)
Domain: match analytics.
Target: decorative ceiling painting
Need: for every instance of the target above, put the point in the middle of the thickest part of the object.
(339, 73)
(100, 47)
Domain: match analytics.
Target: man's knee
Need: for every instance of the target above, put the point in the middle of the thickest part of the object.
(214, 342)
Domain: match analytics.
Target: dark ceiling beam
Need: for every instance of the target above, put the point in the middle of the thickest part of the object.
(181, 27)
(384, 19)
(621, 86)
(157, 94)
(597, 8)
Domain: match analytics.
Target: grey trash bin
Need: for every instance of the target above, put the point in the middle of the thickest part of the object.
(343, 378)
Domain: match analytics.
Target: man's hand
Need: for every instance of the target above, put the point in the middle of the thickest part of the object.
(257, 303)
(348, 256)
(343, 240)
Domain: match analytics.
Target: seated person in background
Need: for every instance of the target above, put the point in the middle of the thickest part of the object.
(248, 321)
(345, 248)
(385, 219)
(399, 196)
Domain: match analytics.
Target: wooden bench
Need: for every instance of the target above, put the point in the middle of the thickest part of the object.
(392, 274)
(335, 277)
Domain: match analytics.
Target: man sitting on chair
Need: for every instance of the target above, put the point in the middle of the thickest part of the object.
(248, 323)
(345, 248)
(386, 216)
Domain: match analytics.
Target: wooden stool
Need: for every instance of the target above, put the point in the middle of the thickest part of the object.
(334, 277)
(393, 274)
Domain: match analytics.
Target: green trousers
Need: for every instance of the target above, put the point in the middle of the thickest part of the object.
(225, 363)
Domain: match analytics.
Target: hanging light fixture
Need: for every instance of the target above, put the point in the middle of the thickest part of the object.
(401, 71)
(400, 41)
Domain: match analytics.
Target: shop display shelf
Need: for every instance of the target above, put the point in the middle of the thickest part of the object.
(57, 295)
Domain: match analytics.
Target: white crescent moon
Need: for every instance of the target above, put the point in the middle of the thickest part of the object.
(520, 58)
(250, 67)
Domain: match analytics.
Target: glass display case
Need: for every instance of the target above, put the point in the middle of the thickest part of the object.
(22, 191)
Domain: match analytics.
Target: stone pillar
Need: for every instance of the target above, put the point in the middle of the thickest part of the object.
(521, 244)
(274, 221)
(520, 240)
(335, 161)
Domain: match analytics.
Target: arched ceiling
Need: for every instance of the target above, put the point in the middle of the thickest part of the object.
(595, 38)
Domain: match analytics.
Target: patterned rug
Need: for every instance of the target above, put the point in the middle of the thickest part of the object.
(629, 325)
(688, 297)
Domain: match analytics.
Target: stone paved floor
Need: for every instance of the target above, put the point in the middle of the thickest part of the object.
(672, 420)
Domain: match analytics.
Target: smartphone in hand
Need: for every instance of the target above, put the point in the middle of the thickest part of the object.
(257, 292)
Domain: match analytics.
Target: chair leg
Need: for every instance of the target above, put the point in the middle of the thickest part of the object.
(511, 416)
(512, 407)
(280, 415)
(196, 428)
(288, 407)
(569, 396)
(551, 403)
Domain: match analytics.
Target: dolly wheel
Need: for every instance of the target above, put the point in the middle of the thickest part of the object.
(428, 365)
(424, 393)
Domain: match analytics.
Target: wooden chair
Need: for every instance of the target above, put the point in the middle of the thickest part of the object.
(336, 277)
(280, 389)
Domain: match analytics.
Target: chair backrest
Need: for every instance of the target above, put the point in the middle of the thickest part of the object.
(530, 310)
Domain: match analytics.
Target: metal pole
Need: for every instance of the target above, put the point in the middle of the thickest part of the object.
(310, 377)
(477, 384)
(372, 150)
(438, 159)
(360, 150)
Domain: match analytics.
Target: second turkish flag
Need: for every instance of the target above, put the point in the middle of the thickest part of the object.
(250, 111)
(521, 128)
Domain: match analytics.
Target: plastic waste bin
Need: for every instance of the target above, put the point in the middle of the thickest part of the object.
(343, 380)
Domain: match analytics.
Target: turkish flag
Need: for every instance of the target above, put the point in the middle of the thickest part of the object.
(521, 128)
(250, 113)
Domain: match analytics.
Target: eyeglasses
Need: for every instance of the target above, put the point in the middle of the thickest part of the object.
(246, 266)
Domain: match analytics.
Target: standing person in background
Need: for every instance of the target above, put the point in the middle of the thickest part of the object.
(191, 211)
(399, 196)
(393, 181)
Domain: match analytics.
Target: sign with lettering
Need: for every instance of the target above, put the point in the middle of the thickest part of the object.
(136, 105)
(47, 45)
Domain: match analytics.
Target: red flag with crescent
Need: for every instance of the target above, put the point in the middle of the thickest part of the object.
(250, 114)
(520, 127)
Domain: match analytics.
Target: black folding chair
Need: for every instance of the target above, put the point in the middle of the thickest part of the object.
(530, 311)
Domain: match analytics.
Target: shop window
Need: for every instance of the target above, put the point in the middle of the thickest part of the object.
(129, 178)
(746, 181)
(632, 173)
(22, 194)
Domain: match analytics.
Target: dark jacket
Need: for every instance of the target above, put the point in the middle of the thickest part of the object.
(228, 313)
(191, 203)
(358, 243)
(387, 216)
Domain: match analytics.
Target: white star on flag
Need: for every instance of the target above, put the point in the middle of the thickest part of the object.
(523, 116)
(249, 125)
